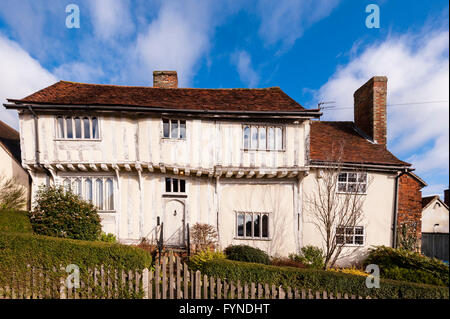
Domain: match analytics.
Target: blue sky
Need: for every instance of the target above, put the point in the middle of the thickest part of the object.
(315, 50)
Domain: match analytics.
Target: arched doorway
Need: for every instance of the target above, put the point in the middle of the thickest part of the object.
(174, 223)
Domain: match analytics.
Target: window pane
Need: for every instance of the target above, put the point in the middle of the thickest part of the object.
(271, 138)
(174, 185)
(254, 142)
(342, 187)
(87, 128)
(166, 128)
(60, 127)
(262, 138)
(182, 129)
(359, 240)
(99, 194)
(240, 225)
(343, 177)
(94, 127)
(256, 225)
(352, 177)
(279, 138)
(247, 137)
(77, 187)
(168, 185)
(88, 189)
(69, 127)
(66, 184)
(248, 225)
(265, 226)
(362, 177)
(109, 194)
(174, 129)
(77, 127)
(182, 186)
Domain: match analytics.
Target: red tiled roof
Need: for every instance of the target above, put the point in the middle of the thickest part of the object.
(69, 93)
(327, 137)
(9, 137)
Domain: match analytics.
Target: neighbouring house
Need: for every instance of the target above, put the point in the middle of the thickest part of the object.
(242, 160)
(434, 215)
(10, 158)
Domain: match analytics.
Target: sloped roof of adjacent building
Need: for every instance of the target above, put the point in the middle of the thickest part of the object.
(271, 99)
(428, 199)
(10, 139)
(328, 137)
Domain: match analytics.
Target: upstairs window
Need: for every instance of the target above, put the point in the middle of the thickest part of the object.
(350, 182)
(77, 128)
(261, 137)
(175, 185)
(174, 129)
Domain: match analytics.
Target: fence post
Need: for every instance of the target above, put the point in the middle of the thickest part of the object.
(179, 293)
(171, 278)
(164, 278)
(198, 283)
(205, 287)
(157, 276)
(219, 288)
(186, 281)
(232, 287)
(211, 288)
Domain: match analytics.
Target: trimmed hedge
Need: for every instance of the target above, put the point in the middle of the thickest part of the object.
(246, 253)
(12, 221)
(19, 250)
(319, 280)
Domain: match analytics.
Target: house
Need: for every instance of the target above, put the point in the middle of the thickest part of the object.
(10, 158)
(242, 160)
(434, 215)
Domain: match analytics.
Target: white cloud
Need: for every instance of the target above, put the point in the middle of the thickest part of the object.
(417, 68)
(247, 74)
(285, 20)
(21, 76)
(111, 18)
(79, 72)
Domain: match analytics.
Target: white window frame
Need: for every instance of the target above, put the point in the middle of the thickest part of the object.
(266, 147)
(170, 129)
(353, 236)
(253, 214)
(74, 138)
(93, 178)
(347, 183)
(171, 192)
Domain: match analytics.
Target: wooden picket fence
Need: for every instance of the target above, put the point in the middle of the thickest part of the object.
(170, 279)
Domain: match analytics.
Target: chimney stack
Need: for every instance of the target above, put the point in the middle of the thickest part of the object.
(370, 109)
(165, 79)
(446, 197)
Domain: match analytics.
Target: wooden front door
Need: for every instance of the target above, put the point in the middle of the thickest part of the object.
(174, 223)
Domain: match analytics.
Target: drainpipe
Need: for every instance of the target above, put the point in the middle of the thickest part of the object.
(394, 231)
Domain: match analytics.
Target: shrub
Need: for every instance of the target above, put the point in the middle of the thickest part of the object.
(107, 238)
(197, 260)
(247, 253)
(204, 236)
(287, 262)
(318, 280)
(12, 195)
(402, 264)
(352, 271)
(19, 250)
(12, 221)
(61, 213)
(310, 256)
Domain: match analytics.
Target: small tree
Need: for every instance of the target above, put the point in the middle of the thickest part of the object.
(407, 236)
(332, 208)
(12, 195)
(204, 236)
(61, 213)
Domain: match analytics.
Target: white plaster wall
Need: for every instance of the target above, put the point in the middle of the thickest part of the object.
(377, 217)
(435, 213)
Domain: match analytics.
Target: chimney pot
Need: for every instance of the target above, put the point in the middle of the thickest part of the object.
(370, 109)
(165, 79)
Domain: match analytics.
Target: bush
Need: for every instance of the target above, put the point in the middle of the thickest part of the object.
(61, 213)
(12, 195)
(204, 236)
(19, 250)
(318, 280)
(13, 221)
(310, 256)
(196, 261)
(401, 264)
(351, 271)
(287, 262)
(107, 238)
(247, 253)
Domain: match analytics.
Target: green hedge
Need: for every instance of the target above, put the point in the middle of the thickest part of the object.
(19, 250)
(12, 221)
(318, 280)
(246, 253)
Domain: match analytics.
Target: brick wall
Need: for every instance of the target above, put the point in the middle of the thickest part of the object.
(409, 207)
(370, 109)
(165, 79)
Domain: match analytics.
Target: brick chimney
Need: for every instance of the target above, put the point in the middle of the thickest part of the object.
(370, 109)
(446, 197)
(165, 79)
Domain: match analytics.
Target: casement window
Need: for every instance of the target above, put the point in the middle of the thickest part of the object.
(261, 137)
(252, 225)
(174, 129)
(99, 190)
(77, 128)
(350, 235)
(349, 182)
(175, 185)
